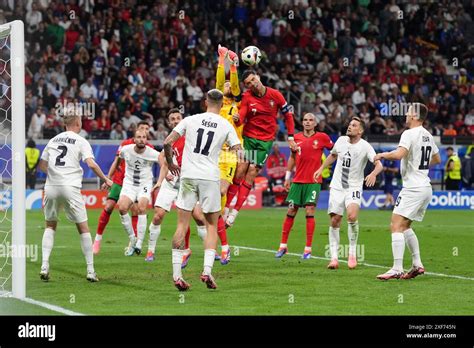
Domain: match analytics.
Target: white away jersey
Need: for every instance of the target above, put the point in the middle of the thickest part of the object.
(415, 166)
(205, 135)
(351, 161)
(138, 166)
(64, 153)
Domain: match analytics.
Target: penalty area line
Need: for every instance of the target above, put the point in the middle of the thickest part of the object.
(51, 307)
(344, 261)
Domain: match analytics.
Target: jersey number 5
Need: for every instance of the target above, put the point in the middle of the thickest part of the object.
(63, 153)
(425, 157)
(205, 150)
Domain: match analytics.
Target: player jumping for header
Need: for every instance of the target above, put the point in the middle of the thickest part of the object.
(258, 113)
(227, 158)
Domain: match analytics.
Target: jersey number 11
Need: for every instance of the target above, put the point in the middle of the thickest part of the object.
(205, 150)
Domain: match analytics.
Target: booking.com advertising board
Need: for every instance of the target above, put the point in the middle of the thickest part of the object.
(95, 199)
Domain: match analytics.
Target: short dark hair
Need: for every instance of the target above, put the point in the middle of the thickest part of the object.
(173, 111)
(449, 148)
(358, 119)
(143, 123)
(215, 96)
(247, 73)
(422, 110)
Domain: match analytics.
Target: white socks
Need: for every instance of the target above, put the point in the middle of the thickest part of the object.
(352, 234)
(412, 244)
(127, 224)
(155, 231)
(86, 245)
(201, 231)
(98, 237)
(177, 259)
(209, 255)
(141, 230)
(398, 248)
(333, 242)
(47, 245)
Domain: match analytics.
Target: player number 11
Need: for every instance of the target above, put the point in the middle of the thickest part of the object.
(205, 150)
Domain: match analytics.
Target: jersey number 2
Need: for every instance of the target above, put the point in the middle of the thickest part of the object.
(425, 157)
(63, 153)
(205, 150)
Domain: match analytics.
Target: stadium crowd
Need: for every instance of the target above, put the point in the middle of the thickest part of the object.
(136, 59)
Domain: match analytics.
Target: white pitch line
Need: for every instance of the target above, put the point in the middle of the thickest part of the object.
(52, 307)
(344, 261)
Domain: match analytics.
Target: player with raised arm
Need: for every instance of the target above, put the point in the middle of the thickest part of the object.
(352, 153)
(417, 152)
(200, 179)
(258, 113)
(137, 186)
(117, 173)
(227, 159)
(61, 161)
(304, 190)
(168, 185)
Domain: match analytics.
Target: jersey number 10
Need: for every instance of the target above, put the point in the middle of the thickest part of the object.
(205, 150)
(425, 157)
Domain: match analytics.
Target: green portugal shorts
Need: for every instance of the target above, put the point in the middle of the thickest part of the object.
(114, 192)
(303, 194)
(257, 151)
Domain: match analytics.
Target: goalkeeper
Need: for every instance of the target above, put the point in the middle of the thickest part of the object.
(227, 159)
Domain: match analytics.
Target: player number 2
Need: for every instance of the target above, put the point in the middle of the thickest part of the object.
(63, 153)
(205, 150)
(425, 157)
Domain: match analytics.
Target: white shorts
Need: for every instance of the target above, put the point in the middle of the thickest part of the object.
(135, 193)
(166, 196)
(68, 197)
(339, 200)
(412, 203)
(207, 192)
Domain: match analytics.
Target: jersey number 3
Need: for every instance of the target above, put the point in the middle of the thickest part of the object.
(205, 150)
(425, 157)
(63, 153)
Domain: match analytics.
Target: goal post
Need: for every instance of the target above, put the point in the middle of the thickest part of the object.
(17, 64)
(12, 78)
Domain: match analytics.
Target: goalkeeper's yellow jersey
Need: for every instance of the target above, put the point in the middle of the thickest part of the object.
(229, 108)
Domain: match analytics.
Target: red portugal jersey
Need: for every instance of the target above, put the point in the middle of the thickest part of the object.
(260, 114)
(308, 157)
(120, 171)
(178, 148)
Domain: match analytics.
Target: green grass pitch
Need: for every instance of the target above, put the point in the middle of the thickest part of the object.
(255, 283)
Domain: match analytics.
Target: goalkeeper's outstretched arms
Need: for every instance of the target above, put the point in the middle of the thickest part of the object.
(224, 53)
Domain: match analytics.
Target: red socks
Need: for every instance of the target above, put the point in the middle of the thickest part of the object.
(232, 191)
(221, 231)
(287, 225)
(103, 221)
(134, 224)
(310, 225)
(244, 191)
(186, 238)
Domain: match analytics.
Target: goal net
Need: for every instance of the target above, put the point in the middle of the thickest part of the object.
(12, 160)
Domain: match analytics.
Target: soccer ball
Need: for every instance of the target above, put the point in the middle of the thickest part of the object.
(251, 55)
